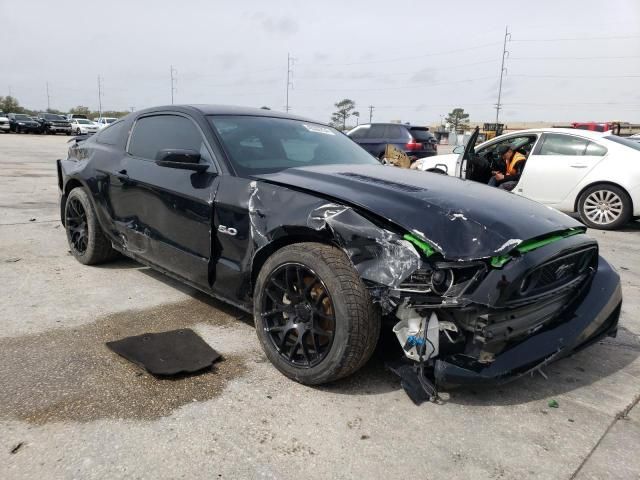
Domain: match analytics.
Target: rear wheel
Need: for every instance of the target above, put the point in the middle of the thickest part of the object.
(85, 236)
(314, 317)
(605, 207)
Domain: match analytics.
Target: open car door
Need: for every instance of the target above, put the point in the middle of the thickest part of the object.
(466, 160)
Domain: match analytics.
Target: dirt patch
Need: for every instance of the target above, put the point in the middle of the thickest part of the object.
(69, 374)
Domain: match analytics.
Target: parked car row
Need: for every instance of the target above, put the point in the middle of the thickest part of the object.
(50, 123)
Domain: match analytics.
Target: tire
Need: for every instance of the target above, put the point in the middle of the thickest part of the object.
(81, 222)
(605, 207)
(347, 314)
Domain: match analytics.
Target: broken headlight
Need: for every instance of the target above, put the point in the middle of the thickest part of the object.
(443, 279)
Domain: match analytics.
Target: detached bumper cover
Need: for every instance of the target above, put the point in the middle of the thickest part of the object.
(592, 317)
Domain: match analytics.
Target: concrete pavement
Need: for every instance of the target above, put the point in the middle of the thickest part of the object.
(70, 408)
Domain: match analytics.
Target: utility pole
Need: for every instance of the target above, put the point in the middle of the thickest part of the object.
(371, 107)
(505, 54)
(48, 98)
(100, 96)
(290, 62)
(174, 80)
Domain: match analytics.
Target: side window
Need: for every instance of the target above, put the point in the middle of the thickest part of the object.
(376, 131)
(359, 132)
(395, 132)
(595, 150)
(152, 134)
(558, 144)
(112, 135)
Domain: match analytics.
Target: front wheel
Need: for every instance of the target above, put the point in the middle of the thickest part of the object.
(605, 207)
(87, 241)
(314, 317)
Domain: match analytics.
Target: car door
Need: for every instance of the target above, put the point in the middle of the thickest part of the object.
(164, 215)
(556, 165)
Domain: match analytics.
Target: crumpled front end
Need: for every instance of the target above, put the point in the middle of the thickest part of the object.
(500, 317)
(490, 319)
(471, 320)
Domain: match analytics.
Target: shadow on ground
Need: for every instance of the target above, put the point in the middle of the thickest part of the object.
(580, 370)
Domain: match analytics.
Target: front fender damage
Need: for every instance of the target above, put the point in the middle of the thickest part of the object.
(479, 318)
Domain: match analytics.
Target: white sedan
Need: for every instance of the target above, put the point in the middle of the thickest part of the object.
(596, 174)
(105, 121)
(81, 126)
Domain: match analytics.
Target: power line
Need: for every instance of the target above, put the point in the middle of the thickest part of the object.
(615, 37)
(394, 74)
(505, 54)
(633, 75)
(401, 59)
(174, 80)
(599, 57)
(415, 85)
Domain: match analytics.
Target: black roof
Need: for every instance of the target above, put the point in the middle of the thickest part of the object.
(206, 109)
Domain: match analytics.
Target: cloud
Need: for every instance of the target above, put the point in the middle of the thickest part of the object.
(424, 75)
(281, 25)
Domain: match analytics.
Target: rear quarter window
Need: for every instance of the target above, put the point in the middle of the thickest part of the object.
(114, 134)
(421, 134)
(559, 144)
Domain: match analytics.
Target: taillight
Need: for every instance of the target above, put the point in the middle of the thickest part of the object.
(413, 145)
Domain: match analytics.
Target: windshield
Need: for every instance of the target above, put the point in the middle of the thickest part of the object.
(258, 145)
(51, 116)
(83, 122)
(109, 120)
(22, 117)
(624, 141)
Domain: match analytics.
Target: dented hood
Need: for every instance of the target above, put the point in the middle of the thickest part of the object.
(462, 219)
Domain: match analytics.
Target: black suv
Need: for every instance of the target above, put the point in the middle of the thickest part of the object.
(414, 141)
(52, 124)
(21, 122)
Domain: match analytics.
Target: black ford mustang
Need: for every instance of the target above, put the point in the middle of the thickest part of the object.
(293, 221)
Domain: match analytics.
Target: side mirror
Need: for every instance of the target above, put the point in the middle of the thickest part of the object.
(459, 149)
(181, 159)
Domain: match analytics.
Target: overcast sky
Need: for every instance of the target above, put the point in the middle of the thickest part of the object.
(412, 60)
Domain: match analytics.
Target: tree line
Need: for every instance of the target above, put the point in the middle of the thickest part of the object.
(11, 104)
(457, 119)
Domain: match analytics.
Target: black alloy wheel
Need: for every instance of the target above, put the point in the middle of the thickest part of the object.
(314, 317)
(298, 315)
(76, 223)
(87, 241)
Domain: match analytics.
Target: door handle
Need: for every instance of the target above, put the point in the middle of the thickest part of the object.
(578, 165)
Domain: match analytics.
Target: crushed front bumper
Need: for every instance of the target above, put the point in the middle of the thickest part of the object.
(594, 315)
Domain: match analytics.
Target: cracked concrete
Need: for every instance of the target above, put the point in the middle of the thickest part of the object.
(70, 408)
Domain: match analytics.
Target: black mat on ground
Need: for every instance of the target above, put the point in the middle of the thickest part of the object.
(167, 353)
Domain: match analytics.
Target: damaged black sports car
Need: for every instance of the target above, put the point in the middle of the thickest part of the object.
(293, 221)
